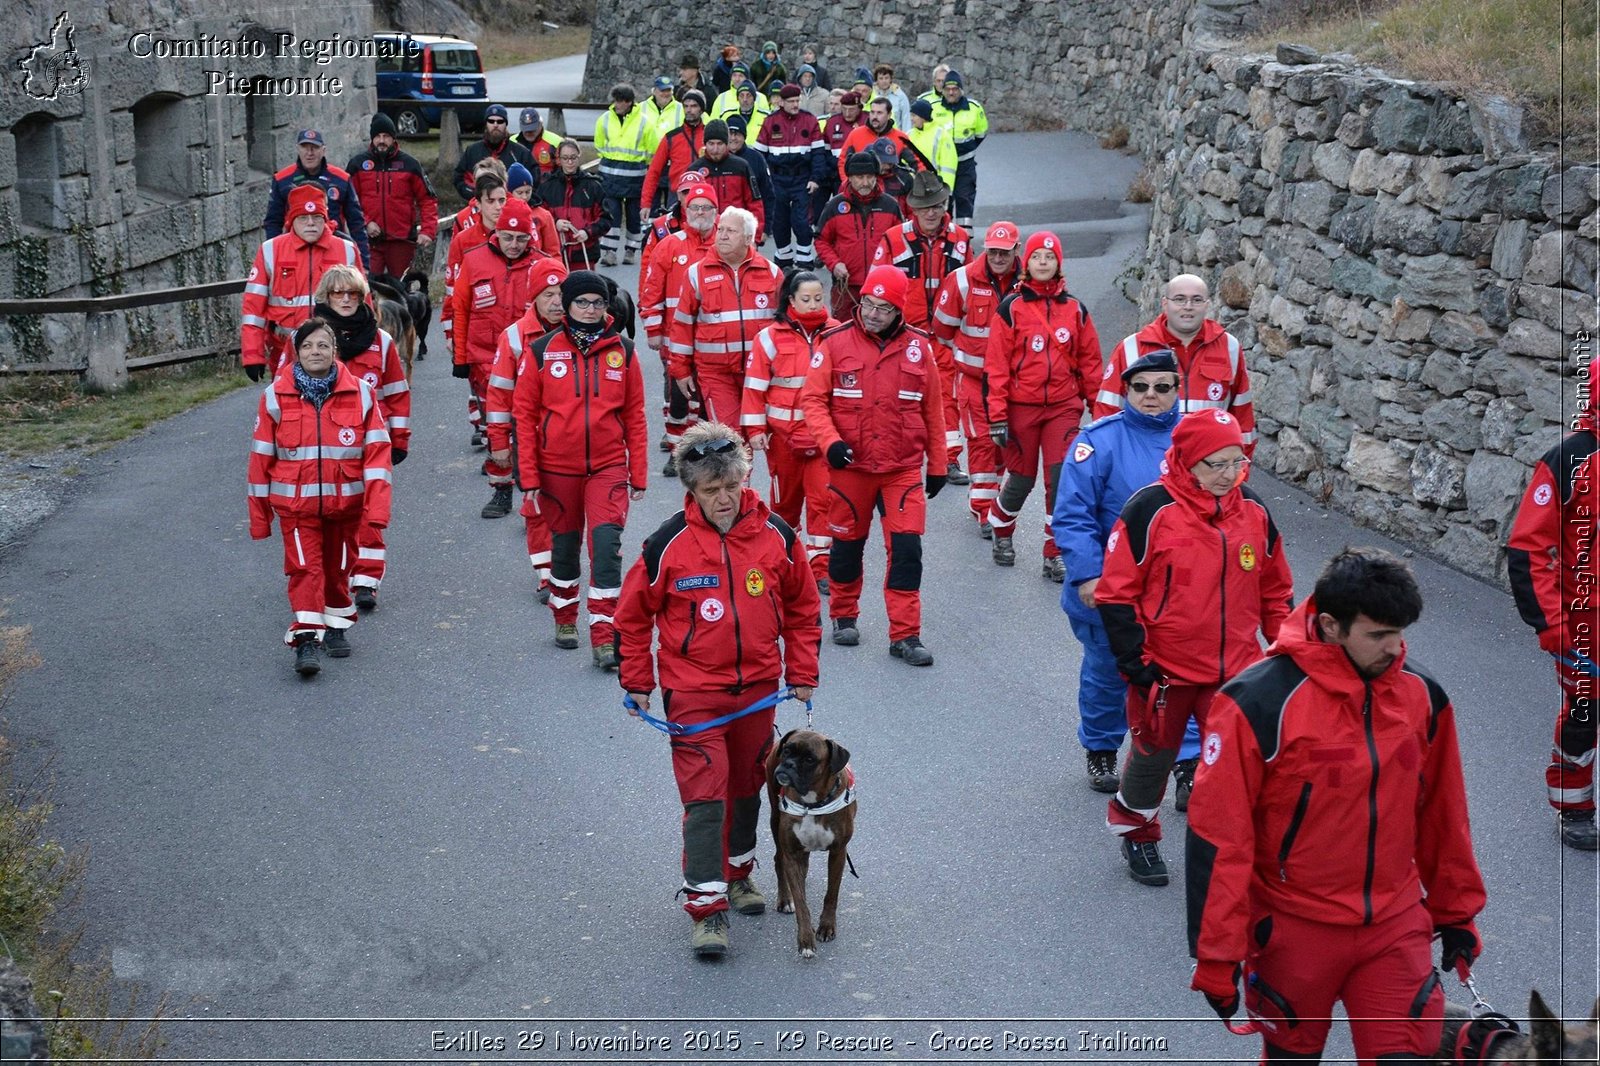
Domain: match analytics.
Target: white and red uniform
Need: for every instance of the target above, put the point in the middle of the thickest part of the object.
(665, 263)
(721, 603)
(380, 367)
(323, 473)
(467, 233)
(1213, 373)
(1328, 838)
(881, 397)
(962, 317)
(581, 445)
(1041, 367)
(491, 292)
(926, 261)
(1551, 563)
(774, 378)
(720, 310)
(280, 292)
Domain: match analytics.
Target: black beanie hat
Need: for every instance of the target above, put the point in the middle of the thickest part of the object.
(583, 283)
(381, 123)
(861, 163)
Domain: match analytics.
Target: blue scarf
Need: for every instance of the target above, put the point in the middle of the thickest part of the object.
(314, 389)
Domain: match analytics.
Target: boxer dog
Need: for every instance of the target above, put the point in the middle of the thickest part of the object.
(811, 793)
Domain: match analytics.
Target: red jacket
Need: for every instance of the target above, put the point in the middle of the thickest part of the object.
(1550, 558)
(491, 292)
(279, 292)
(926, 261)
(512, 346)
(880, 395)
(579, 200)
(577, 412)
(332, 463)
(720, 310)
(1214, 374)
(665, 264)
(396, 194)
(1189, 578)
(774, 379)
(721, 604)
(964, 312)
(837, 130)
(1325, 796)
(859, 138)
(1043, 352)
(380, 367)
(677, 153)
(735, 185)
(467, 233)
(850, 230)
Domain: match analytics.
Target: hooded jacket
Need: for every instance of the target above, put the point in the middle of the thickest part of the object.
(1043, 351)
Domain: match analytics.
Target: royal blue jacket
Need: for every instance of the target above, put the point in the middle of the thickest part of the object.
(1110, 460)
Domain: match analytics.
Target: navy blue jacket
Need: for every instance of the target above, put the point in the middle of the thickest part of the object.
(344, 206)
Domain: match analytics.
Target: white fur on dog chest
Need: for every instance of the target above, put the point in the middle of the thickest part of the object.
(812, 835)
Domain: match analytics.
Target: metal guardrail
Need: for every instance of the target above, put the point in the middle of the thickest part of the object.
(555, 111)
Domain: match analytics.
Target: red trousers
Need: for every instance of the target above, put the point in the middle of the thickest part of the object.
(477, 389)
(317, 556)
(372, 557)
(983, 458)
(1157, 721)
(597, 504)
(1033, 431)
(950, 379)
(721, 775)
(392, 256)
(1382, 973)
(853, 496)
(538, 534)
(721, 393)
(1570, 775)
(800, 481)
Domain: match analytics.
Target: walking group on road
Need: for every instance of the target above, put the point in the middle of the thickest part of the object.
(1327, 834)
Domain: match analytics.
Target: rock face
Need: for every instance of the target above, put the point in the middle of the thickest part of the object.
(122, 171)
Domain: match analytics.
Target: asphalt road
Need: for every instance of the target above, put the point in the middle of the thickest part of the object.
(458, 828)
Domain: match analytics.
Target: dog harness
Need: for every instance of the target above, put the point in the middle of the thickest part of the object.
(1478, 1038)
(841, 797)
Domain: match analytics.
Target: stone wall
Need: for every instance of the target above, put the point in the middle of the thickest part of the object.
(1416, 289)
(134, 177)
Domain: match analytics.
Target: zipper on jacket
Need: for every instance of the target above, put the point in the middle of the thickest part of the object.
(1222, 612)
(687, 637)
(317, 414)
(1294, 829)
(1372, 806)
(1166, 591)
(1048, 361)
(583, 390)
(733, 606)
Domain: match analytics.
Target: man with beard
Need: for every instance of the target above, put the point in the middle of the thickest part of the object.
(880, 123)
(853, 225)
(496, 144)
(401, 210)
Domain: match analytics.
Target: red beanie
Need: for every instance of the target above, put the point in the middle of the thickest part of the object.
(515, 215)
(886, 283)
(547, 274)
(701, 191)
(1202, 434)
(1044, 239)
(307, 199)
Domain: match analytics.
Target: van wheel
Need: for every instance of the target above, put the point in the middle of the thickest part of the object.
(410, 123)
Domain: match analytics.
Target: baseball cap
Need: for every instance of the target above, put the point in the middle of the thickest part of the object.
(310, 137)
(1001, 235)
(661, 82)
(530, 119)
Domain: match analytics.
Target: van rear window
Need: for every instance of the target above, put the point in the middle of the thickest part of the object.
(456, 60)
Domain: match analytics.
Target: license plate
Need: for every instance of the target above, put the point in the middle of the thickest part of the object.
(461, 90)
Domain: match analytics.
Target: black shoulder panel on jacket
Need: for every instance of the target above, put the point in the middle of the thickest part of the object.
(784, 530)
(1272, 526)
(656, 543)
(1139, 512)
(1261, 692)
(1004, 310)
(1567, 456)
(1437, 699)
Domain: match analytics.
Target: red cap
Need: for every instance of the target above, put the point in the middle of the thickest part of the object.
(1001, 235)
(515, 215)
(886, 283)
(701, 191)
(308, 199)
(547, 275)
(689, 179)
(1202, 434)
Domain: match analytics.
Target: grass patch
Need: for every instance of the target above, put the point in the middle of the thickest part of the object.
(45, 412)
(1143, 187)
(523, 44)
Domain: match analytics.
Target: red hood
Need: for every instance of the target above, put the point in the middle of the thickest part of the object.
(1187, 491)
(1325, 663)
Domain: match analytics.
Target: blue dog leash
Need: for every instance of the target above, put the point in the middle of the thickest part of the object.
(678, 729)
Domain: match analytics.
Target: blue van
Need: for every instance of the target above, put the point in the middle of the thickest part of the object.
(426, 68)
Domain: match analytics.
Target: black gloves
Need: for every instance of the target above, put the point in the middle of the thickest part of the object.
(1459, 948)
(932, 484)
(1225, 1008)
(397, 455)
(255, 371)
(999, 432)
(840, 455)
(460, 370)
(1145, 676)
(1219, 983)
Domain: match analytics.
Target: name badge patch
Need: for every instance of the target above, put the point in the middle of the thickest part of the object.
(699, 581)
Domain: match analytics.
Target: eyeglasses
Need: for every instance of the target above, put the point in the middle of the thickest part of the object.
(1232, 466)
(869, 306)
(589, 303)
(1144, 386)
(703, 209)
(703, 448)
(346, 294)
(494, 122)
(1188, 301)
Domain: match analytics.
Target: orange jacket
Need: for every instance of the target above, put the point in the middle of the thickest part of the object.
(880, 395)
(279, 292)
(720, 310)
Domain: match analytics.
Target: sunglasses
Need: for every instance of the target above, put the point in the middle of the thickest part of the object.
(494, 121)
(1145, 386)
(704, 448)
(589, 302)
(1232, 466)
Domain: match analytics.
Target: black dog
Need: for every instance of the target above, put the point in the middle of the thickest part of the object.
(621, 307)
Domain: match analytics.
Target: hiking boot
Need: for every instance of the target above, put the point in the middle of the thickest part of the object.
(306, 660)
(632, 256)
(822, 586)
(1005, 554)
(985, 530)
(609, 259)
(912, 651)
(544, 592)
(710, 936)
(666, 443)
(366, 598)
(1183, 777)
(1103, 771)
(1144, 861)
(745, 897)
(1578, 830)
(605, 656)
(479, 441)
(567, 636)
(955, 475)
(671, 469)
(336, 642)
(845, 632)
(499, 504)
(1055, 569)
